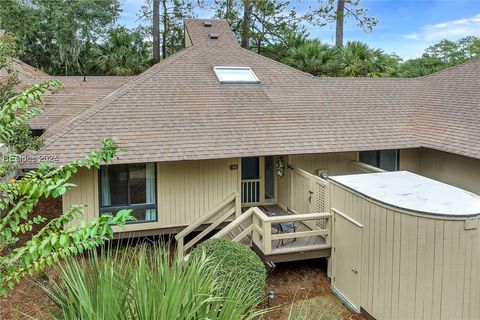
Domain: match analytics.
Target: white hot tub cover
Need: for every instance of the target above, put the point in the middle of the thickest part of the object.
(412, 192)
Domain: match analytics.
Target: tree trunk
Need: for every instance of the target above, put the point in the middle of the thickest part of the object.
(156, 31)
(247, 23)
(340, 23)
(165, 28)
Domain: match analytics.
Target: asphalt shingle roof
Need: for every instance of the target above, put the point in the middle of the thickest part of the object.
(177, 110)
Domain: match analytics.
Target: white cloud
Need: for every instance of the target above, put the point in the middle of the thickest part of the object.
(449, 29)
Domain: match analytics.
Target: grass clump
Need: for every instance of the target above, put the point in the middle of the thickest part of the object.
(145, 282)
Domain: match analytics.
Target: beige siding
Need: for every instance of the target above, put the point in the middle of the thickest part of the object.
(85, 194)
(456, 170)
(282, 189)
(189, 188)
(410, 160)
(412, 266)
(185, 190)
(334, 163)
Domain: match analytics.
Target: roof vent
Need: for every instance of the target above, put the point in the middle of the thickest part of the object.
(213, 35)
(207, 24)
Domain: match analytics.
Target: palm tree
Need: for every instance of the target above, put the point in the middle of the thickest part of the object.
(314, 57)
(359, 60)
(123, 53)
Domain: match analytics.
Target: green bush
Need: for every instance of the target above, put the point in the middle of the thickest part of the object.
(234, 263)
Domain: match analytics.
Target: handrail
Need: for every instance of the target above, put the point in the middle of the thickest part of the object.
(261, 225)
(294, 217)
(232, 198)
(235, 223)
(266, 225)
(308, 174)
(365, 168)
(203, 218)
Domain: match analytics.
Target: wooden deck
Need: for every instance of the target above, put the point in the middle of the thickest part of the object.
(289, 249)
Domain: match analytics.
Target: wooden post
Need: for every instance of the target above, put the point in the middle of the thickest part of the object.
(180, 247)
(238, 205)
(328, 238)
(255, 222)
(267, 237)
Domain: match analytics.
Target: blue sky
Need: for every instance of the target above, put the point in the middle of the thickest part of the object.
(406, 27)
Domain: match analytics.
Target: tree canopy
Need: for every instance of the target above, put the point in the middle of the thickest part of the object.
(123, 53)
(65, 37)
(357, 59)
(56, 36)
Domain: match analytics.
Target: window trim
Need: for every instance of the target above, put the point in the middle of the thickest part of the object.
(219, 68)
(107, 209)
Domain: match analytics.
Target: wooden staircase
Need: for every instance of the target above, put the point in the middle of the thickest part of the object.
(254, 228)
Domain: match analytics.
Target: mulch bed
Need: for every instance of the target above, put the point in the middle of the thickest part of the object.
(26, 300)
(303, 289)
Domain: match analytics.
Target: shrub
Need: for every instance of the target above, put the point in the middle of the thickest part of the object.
(145, 283)
(234, 263)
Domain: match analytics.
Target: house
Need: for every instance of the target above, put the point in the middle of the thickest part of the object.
(220, 137)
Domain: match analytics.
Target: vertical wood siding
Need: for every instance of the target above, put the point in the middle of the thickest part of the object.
(453, 169)
(459, 171)
(413, 266)
(334, 163)
(85, 194)
(185, 190)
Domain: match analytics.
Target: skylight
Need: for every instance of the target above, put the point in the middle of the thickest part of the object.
(235, 75)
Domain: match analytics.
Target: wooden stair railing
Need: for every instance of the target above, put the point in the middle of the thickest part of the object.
(231, 203)
(260, 227)
(235, 224)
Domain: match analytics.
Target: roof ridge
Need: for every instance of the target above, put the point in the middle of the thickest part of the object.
(474, 60)
(113, 96)
(327, 77)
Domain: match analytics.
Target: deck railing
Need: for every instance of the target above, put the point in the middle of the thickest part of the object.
(250, 191)
(260, 228)
(227, 208)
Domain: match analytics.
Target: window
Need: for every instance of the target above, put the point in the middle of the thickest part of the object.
(235, 75)
(129, 186)
(383, 159)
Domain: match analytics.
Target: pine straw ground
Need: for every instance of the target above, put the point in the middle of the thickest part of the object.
(302, 291)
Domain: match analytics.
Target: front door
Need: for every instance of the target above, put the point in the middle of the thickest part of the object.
(347, 257)
(258, 181)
